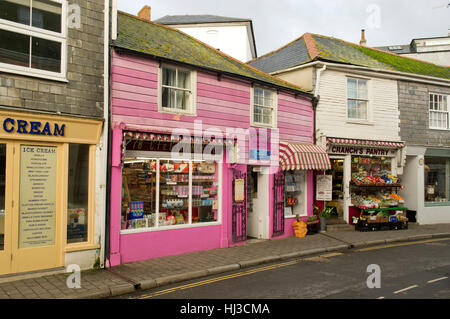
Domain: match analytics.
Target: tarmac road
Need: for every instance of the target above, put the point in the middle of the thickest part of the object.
(416, 270)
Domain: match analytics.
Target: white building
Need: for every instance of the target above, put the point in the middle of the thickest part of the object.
(233, 36)
(435, 50)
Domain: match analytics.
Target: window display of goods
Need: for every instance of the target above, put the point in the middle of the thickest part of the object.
(366, 179)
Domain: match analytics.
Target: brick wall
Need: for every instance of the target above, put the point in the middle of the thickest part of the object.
(413, 102)
(83, 93)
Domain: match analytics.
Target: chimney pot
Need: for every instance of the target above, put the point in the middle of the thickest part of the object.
(363, 38)
(145, 13)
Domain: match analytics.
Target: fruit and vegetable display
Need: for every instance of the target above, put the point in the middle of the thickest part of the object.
(378, 200)
(367, 179)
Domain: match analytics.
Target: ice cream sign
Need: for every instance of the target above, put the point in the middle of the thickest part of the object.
(11, 125)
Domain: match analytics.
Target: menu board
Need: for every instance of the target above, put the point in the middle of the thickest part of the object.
(37, 203)
(324, 187)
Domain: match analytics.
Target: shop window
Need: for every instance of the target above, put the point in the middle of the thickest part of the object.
(157, 193)
(177, 90)
(32, 37)
(357, 99)
(2, 194)
(295, 193)
(439, 111)
(78, 193)
(437, 179)
(264, 107)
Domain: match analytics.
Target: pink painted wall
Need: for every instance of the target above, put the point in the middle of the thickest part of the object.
(220, 104)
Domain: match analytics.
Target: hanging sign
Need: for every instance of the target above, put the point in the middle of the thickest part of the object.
(239, 189)
(324, 185)
(37, 203)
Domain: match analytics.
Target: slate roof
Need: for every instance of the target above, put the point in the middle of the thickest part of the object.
(162, 42)
(194, 19)
(322, 48)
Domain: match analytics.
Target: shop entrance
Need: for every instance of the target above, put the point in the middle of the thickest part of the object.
(338, 190)
(257, 203)
(30, 181)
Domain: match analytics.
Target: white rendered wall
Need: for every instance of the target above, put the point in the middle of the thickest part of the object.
(232, 40)
(441, 58)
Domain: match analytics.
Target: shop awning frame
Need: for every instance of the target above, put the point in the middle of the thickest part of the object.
(359, 142)
(298, 156)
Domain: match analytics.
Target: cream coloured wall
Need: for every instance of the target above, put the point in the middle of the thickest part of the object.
(300, 77)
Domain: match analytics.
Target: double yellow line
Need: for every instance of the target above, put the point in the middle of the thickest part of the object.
(253, 271)
(240, 274)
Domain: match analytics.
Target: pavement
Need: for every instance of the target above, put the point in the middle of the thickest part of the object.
(157, 272)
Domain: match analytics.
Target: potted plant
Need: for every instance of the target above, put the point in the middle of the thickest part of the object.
(323, 215)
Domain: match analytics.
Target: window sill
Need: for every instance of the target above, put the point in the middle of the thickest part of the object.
(176, 112)
(80, 247)
(34, 74)
(269, 126)
(293, 216)
(436, 204)
(162, 228)
(439, 129)
(360, 122)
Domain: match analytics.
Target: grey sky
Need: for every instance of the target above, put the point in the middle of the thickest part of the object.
(277, 22)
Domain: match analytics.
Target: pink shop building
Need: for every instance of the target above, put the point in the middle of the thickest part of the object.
(206, 151)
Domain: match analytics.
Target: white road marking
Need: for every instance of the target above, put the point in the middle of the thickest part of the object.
(380, 298)
(402, 290)
(434, 280)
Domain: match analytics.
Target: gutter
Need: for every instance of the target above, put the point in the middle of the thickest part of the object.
(397, 75)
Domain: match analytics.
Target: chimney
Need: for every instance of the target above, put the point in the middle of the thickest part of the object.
(363, 38)
(145, 13)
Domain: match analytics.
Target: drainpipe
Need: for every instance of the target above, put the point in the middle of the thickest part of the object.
(316, 97)
(315, 102)
(106, 134)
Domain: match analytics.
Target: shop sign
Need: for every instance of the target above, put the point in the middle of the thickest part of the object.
(33, 127)
(37, 204)
(324, 187)
(354, 150)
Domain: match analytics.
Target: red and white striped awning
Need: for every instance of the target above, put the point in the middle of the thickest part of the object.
(296, 156)
(348, 141)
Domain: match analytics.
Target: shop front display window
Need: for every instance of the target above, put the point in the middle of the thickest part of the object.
(78, 193)
(437, 179)
(204, 192)
(295, 200)
(373, 185)
(167, 192)
(139, 194)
